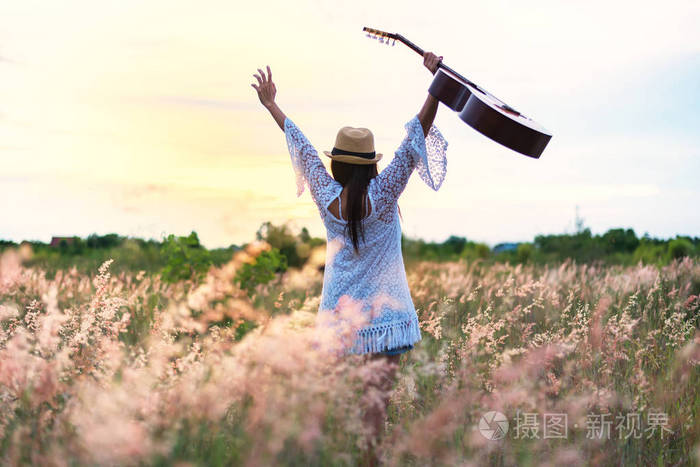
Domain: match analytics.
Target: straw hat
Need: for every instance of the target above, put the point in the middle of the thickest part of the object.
(354, 146)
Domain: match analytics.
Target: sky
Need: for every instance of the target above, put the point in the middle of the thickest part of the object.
(137, 117)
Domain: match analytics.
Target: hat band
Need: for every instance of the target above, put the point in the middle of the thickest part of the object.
(366, 155)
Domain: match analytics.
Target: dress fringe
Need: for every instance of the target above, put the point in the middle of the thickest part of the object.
(386, 336)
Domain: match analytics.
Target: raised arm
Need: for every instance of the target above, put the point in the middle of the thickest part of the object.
(266, 93)
(429, 109)
(308, 168)
(423, 147)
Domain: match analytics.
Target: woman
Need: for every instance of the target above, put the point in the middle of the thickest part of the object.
(359, 209)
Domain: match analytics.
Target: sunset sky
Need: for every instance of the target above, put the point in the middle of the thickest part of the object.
(137, 117)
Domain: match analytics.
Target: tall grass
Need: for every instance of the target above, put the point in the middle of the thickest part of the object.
(127, 369)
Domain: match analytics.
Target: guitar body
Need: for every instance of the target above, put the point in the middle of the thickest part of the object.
(490, 116)
(478, 108)
(450, 90)
(503, 124)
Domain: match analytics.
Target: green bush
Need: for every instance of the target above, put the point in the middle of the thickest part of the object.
(525, 252)
(296, 248)
(473, 251)
(262, 271)
(185, 258)
(620, 240)
(679, 247)
(482, 250)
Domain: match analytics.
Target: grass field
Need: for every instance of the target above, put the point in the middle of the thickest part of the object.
(129, 369)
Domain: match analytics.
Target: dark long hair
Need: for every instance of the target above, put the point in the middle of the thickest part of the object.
(354, 177)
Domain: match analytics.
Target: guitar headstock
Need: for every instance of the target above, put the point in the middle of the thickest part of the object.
(382, 36)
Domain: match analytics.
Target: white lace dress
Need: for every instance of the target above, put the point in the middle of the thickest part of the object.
(376, 276)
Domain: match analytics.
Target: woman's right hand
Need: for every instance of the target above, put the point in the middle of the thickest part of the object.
(266, 93)
(266, 88)
(431, 61)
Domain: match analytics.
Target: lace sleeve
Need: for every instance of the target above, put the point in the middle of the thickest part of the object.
(308, 168)
(425, 153)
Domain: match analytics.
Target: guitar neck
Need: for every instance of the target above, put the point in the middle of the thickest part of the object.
(420, 52)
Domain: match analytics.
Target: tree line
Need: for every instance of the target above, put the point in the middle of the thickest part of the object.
(616, 246)
(181, 257)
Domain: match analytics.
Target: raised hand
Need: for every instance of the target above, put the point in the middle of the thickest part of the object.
(426, 116)
(266, 93)
(266, 88)
(431, 61)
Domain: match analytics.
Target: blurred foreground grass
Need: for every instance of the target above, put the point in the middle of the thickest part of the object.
(127, 368)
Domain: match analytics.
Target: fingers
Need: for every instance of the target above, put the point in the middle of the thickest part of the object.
(431, 61)
(264, 79)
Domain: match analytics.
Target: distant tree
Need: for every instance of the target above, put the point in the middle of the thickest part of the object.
(77, 246)
(104, 241)
(620, 241)
(680, 247)
(262, 271)
(649, 252)
(455, 244)
(482, 250)
(524, 252)
(185, 258)
(281, 238)
(296, 248)
(581, 246)
(6, 244)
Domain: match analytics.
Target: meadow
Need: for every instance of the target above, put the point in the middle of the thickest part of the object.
(591, 364)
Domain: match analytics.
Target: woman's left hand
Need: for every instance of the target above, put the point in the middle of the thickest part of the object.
(431, 61)
(266, 88)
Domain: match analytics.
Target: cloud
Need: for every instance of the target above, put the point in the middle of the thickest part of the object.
(6, 148)
(217, 104)
(4, 59)
(16, 178)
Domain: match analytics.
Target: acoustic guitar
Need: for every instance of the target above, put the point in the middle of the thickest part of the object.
(478, 108)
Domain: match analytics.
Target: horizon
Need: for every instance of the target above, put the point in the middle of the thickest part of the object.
(297, 231)
(139, 119)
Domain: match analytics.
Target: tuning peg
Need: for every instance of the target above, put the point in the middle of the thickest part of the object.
(381, 40)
